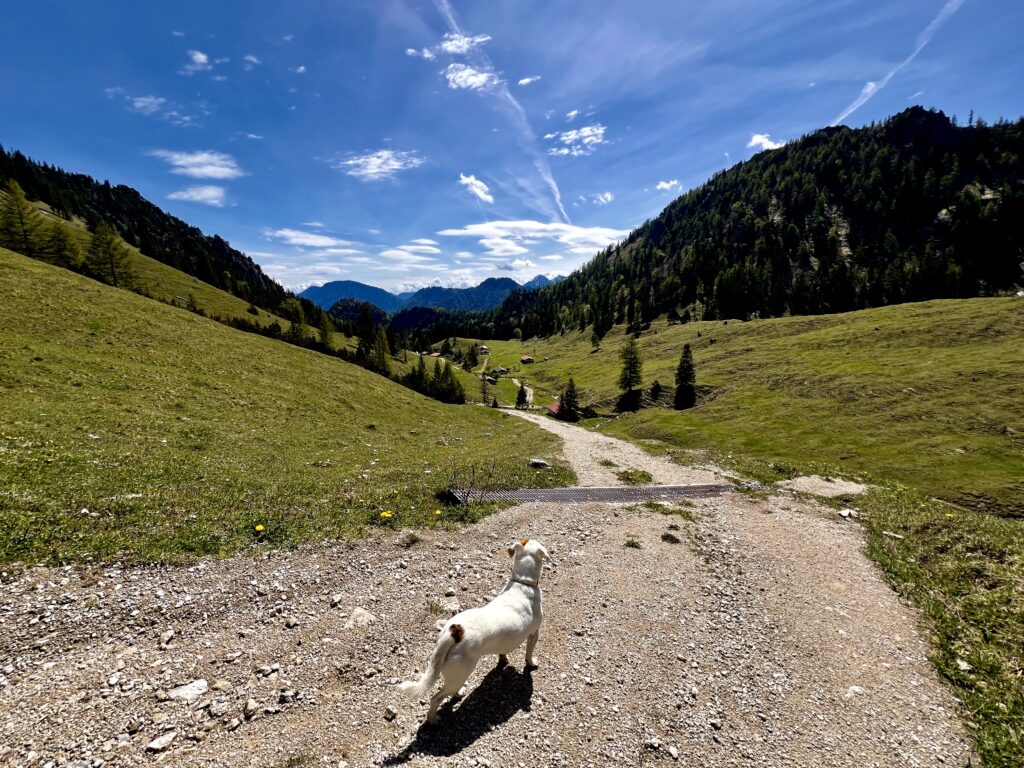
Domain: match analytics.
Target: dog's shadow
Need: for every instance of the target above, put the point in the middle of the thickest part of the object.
(503, 692)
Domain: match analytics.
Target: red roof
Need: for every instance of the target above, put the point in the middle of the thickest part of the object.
(525, 359)
(553, 408)
(435, 354)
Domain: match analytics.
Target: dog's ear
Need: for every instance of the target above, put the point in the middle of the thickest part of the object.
(516, 546)
(543, 552)
(511, 551)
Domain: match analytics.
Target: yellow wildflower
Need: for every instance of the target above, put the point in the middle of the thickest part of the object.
(259, 528)
(437, 513)
(386, 514)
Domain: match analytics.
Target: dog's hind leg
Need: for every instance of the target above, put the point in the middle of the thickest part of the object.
(455, 676)
(531, 643)
(502, 661)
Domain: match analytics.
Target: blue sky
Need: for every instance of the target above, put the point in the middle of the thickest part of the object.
(413, 142)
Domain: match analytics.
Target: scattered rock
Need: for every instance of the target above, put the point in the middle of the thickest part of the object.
(291, 622)
(963, 666)
(286, 697)
(219, 707)
(854, 690)
(360, 618)
(250, 709)
(537, 463)
(190, 692)
(336, 600)
(390, 713)
(160, 743)
(166, 637)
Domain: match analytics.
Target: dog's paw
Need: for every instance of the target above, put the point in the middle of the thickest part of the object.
(531, 665)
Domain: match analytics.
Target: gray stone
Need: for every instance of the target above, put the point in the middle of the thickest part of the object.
(160, 743)
(190, 692)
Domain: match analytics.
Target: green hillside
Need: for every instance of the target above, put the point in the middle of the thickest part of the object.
(929, 394)
(132, 427)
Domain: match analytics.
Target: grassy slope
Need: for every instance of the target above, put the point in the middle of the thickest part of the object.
(924, 399)
(165, 283)
(922, 393)
(180, 435)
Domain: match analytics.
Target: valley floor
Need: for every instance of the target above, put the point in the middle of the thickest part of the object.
(764, 637)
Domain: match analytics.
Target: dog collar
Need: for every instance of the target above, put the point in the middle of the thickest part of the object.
(523, 581)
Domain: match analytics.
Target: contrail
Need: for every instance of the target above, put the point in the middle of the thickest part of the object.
(527, 138)
(871, 88)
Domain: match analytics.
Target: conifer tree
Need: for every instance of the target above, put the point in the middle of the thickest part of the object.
(632, 367)
(19, 222)
(569, 404)
(521, 399)
(380, 352)
(108, 256)
(61, 248)
(686, 378)
(326, 330)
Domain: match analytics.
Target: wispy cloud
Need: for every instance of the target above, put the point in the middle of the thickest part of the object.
(579, 141)
(513, 110)
(250, 61)
(872, 87)
(763, 141)
(529, 80)
(463, 76)
(379, 165)
(572, 115)
(423, 53)
(506, 238)
(458, 43)
(603, 198)
(303, 239)
(477, 187)
(151, 106)
(205, 164)
(425, 241)
(206, 194)
(299, 70)
(667, 185)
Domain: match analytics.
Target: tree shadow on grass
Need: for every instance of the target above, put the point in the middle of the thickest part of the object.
(503, 692)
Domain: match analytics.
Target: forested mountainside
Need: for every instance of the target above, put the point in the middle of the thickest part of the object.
(913, 208)
(154, 232)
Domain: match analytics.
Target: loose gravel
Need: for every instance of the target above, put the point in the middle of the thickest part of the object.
(740, 632)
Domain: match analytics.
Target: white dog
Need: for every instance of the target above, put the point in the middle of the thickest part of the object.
(499, 627)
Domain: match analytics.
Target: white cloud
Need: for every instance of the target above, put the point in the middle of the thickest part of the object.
(176, 33)
(250, 62)
(382, 164)
(299, 70)
(316, 224)
(667, 185)
(151, 106)
(146, 105)
(603, 198)
(764, 141)
(529, 80)
(413, 248)
(206, 194)
(304, 239)
(872, 87)
(579, 141)
(422, 53)
(461, 76)
(502, 238)
(425, 241)
(915, 95)
(500, 246)
(457, 43)
(536, 195)
(477, 187)
(205, 164)
(572, 115)
(552, 257)
(197, 62)
(254, 136)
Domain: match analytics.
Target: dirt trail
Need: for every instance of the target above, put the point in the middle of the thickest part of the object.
(763, 638)
(529, 391)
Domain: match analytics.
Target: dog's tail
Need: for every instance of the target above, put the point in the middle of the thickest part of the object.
(420, 688)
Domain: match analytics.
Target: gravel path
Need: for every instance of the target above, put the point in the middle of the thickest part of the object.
(762, 638)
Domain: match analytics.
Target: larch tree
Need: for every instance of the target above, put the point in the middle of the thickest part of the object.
(108, 256)
(62, 248)
(632, 367)
(20, 222)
